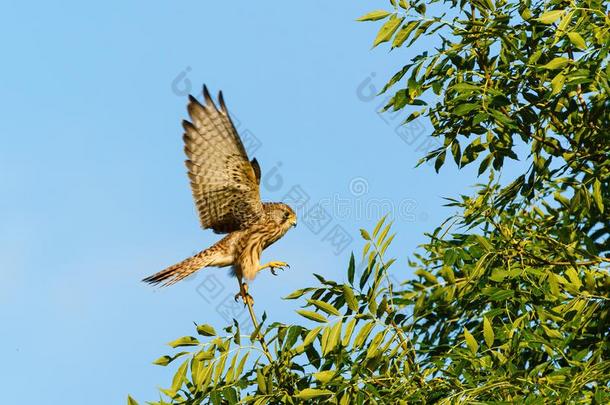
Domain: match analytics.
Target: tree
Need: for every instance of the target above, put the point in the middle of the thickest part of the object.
(511, 299)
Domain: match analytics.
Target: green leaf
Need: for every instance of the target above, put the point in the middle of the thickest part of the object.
(351, 269)
(563, 24)
(490, 5)
(363, 334)
(465, 108)
(379, 225)
(230, 376)
(310, 393)
(365, 234)
(471, 342)
(456, 151)
(431, 278)
(556, 63)
(294, 332)
(165, 360)
(484, 242)
(552, 333)
(230, 394)
(236, 333)
(334, 338)
(553, 284)
(131, 401)
(296, 294)
(385, 246)
(501, 295)
(374, 15)
(404, 33)
(387, 30)
(488, 332)
(557, 83)
(485, 164)
(372, 351)
(466, 87)
(480, 117)
(309, 338)
(220, 366)
(577, 40)
(350, 298)
(314, 316)
(498, 275)
(383, 234)
(597, 195)
(256, 332)
(206, 330)
(324, 376)
(349, 329)
(179, 377)
(205, 355)
(574, 279)
(440, 159)
(240, 366)
(325, 306)
(261, 381)
(184, 341)
(324, 340)
(550, 16)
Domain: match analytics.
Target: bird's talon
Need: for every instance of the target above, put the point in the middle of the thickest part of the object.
(279, 265)
(248, 298)
(274, 266)
(244, 295)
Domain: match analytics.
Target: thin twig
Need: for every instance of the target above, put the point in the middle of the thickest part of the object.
(259, 336)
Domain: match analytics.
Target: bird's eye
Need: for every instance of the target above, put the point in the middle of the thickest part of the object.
(286, 216)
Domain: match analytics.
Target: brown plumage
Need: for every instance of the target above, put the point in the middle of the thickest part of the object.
(225, 186)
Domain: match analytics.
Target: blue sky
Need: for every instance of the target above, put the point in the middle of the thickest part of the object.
(94, 191)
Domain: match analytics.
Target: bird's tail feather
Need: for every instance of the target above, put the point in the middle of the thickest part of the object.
(178, 271)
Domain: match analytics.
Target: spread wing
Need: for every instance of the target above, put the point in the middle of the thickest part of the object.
(224, 182)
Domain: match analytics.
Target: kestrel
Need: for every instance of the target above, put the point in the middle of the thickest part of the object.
(225, 185)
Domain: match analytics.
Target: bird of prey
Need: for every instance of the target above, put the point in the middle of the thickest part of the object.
(225, 186)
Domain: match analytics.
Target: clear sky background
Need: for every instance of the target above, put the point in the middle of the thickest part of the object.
(94, 191)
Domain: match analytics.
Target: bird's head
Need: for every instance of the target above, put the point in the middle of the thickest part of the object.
(283, 215)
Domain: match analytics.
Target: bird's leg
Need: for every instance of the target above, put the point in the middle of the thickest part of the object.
(243, 293)
(274, 265)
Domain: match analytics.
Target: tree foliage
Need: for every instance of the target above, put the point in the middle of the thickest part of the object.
(511, 295)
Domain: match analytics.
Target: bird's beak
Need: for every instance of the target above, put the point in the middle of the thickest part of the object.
(294, 223)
